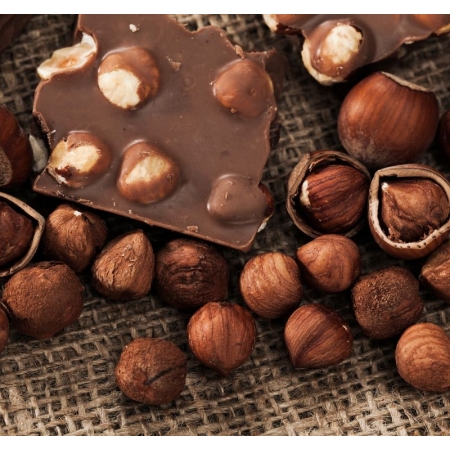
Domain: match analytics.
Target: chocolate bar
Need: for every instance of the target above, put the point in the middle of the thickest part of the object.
(336, 45)
(148, 120)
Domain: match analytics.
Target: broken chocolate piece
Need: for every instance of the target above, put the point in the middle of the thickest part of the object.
(198, 123)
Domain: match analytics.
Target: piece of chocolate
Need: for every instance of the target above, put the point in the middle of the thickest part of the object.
(336, 45)
(162, 125)
(10, 27)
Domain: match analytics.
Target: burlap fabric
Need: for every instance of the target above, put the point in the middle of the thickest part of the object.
(66, 385)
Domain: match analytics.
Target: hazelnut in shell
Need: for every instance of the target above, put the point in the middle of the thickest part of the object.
(386, 302)
(151, 371)
(44, 298)
(317, 337)
(330, 263)
(4, 329)
(222, 336)
(422, 356)
(270, 284)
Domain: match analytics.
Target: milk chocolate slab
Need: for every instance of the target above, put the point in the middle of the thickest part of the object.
(336, 45)
(185, 152)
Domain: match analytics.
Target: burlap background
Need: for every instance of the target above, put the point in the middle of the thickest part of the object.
(66, 386)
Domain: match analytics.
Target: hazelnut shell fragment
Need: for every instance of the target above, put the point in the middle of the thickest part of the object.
(394, 247)
(44, 298)
(190, 273)
(124, 269)
(317, 337)
(334, 200)
(422, 356)
(222, 336)
(151, 371)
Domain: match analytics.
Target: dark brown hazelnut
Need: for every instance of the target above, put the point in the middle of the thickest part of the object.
(444, 133)
(327, 194)
(124, 269)
(16, 157)
(43, 299)
(222, 336)
(151, 371)
(386, 302)
(316, 337)
(4, 329)
(270, 284)
(385, 121)
(409, 214)
(190, 273)
(330, 263)
(422, 356)
(73, 236)
(435, 274)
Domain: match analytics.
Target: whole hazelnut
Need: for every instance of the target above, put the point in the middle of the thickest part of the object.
(317, 337)
(4, 329)
(73, 236)
(124, 269)
(385, 120)
(386, 302)
(16, 156)
(435, 273)
(222, 336)
(270, 284)
(151, 371)
(422, 356)
(44, 298)
(190, 273)
(330, 263)
(327, 194)
(444, 132)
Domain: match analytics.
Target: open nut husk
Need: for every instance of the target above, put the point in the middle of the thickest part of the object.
(410, 206)
(37, 222)
(336, 201)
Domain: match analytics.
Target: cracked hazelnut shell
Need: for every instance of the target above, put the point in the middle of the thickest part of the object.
(422, 356)
(124, 269)
(409, 207)
(74, 236)
(44, 298)
(190, 273)
(327, 194)
(385, 120)
(151, 371)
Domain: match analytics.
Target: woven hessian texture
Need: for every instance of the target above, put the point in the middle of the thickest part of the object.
(66, 386)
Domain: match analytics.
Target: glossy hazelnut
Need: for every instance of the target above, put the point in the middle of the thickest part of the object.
(151, 371)
(327, 194)
(385, 120)
(43, 299)
(124, 269)
(444, 132)
(270, 284)
(190, 273)
(4, 329)
(74, 236)
(422, 356)
(386, 302)
(16, 157)
(409, 213)
(222, 336)
(330, 263)
(317, 337)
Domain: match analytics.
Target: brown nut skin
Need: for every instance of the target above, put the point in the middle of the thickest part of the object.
(16, 232)
(16, 156)
(435, 273)
(4, 329)
(317, 337)
(151, 371)
(330, 263)
(222, 336)
(124, 269)
(385, 121)
(422, 356)
(270, 284)
(444, 132)
(44, 298)
(190, 273)
(386, 302)
(73, 236)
